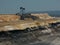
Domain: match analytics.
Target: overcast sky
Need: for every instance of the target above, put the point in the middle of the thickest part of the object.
(12, 6)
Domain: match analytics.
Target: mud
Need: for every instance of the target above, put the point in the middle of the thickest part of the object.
(29, 38)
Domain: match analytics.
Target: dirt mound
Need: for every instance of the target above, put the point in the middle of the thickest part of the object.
(9, 17)
(42, 15)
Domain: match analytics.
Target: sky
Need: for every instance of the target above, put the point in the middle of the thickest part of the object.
(13, 6)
